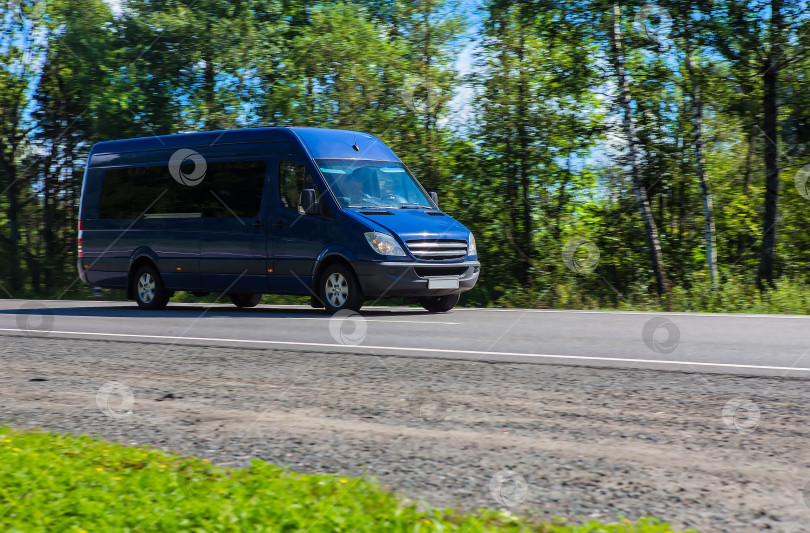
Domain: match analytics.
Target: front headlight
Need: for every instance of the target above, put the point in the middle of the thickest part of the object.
(384, 244)
(473, 249)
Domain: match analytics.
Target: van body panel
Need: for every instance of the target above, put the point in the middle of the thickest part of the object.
(336, 250)
(298, 242)
(338, 144)
(106, 278)
(272, 247)
(297, 239)
(237, 255)
(219, 152)
(196, 141)
(410, 224)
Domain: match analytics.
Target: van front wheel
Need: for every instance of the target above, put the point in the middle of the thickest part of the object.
(339, 289)
(245, 300)
(148, 288)
(440, 304)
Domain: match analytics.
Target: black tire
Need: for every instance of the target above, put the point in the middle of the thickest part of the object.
(245, 299)
(339, 289)
(440, 304)
(148, 288)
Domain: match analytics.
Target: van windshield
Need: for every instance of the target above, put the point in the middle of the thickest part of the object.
(372, 184)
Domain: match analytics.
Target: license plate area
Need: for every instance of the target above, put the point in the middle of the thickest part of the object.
(443, 283)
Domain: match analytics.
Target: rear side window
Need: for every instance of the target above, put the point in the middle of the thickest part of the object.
(228, 189)
(293, 177)
(233, 189)
(132, 192)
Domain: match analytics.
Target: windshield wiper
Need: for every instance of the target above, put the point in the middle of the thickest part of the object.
(414, 207)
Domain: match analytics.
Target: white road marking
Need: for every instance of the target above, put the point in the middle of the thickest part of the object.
(327, 318)
(423, 350)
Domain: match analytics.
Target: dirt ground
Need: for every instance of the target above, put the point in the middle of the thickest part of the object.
(712, 452)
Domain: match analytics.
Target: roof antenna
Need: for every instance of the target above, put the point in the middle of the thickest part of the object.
(356, 148)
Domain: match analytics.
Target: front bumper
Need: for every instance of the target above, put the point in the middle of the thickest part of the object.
(381, 279)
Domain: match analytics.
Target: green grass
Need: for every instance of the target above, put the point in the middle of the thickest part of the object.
(53, 482)
(734, 294)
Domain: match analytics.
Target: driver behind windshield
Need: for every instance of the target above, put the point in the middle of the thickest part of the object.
(372, 184)
(357, 185)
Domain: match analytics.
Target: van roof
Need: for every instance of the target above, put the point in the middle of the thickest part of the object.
(320, 143)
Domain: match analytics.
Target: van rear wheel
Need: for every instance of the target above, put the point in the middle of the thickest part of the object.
(339, 289)
(148, 288)
(440, 304)
(245, 300)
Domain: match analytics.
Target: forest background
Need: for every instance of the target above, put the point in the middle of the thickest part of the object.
(606, 154)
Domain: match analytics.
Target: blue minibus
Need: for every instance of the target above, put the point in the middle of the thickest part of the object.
(330, 214)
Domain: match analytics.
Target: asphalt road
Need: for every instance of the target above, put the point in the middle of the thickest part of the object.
(709, 447)
(765, 345)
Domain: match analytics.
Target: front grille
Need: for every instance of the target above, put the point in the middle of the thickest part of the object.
(438, 250)
(440, 271)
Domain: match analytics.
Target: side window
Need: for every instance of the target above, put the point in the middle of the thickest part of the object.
(129, 193)
(292, 179)
(233, 189)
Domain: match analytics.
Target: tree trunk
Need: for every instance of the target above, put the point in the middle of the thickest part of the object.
(629, 127)
(523, 141)
(209, 84)
(431, 172)
(749, 156)
(700, 164)
(770, 79)
(13, 214)
(8, 168)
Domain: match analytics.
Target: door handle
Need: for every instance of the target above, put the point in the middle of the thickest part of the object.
(279, 224)
(258, 224)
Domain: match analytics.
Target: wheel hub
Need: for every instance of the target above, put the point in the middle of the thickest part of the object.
(146, 288)
(337, 290)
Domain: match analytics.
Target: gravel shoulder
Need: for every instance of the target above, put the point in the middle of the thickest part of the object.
(591, 442)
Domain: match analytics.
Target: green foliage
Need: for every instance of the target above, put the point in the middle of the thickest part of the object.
(734, 294)
(535, 157)
(52, 482)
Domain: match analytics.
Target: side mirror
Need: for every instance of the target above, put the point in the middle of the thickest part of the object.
(307, 202)
(435, 198)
